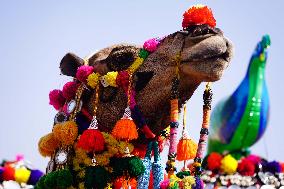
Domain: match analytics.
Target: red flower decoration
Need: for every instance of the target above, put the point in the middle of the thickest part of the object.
(198, 15)
(214, 161)
(246, 167)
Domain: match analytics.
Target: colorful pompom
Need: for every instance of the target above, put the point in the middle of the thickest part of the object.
(122, 80)
(69, 90)
(122, 182)
(8, 173)
(198, 15)
(229, 164)
(214, 161)
(151, 45)
(92, 140)
(198, 183)
(22, 175)
(96, 177)
(64, 178)
(186, 149)
(66, 132)
(125, 129)
(273, 167)
(254, 159)
(34, 177)
(246, 167)
(47, 145)
(165, 184)
(56, 99)
(83, 72)
(93, 80)
(110, 78)
(136, 64)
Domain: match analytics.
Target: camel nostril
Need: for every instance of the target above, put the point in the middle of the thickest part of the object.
(184, 32)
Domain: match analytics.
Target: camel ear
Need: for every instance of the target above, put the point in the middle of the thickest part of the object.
(70, 63)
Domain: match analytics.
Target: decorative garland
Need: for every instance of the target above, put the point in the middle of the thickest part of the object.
(18, 174)
(241, 171)
(112, 164)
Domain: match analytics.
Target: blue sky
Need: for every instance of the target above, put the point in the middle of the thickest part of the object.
(35, 35)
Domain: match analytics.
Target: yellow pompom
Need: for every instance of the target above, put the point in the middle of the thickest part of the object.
(93, 80)
(22, 175)
(188, 182)
(110, 78)
(66, 132)
(81, 185)
(229, 164)
(136, 64)
(47, 145)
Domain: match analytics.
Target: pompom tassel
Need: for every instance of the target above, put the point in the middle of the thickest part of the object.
(66, 132)
(144, 179)
(125, 128)
(125, 184)
(198, 184)
(186, 148)
(92, 140)
(96, 177)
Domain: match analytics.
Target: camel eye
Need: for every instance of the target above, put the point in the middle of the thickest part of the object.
(121, 58)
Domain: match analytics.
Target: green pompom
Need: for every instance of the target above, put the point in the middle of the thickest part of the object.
(64, 178)
(135, 166)
(40, 184)
(50, 180)
(143, 54)
(96, 177)
(183, 174)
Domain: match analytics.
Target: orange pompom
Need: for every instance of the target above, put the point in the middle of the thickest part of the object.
(123, 183)
(47, 145)
(125, 129)
(186, 149)
(198, 15)
(66, 132)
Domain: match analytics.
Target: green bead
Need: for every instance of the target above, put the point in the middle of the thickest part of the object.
(143, 53)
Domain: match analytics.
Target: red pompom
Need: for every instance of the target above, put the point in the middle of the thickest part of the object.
(246, 167)
(83, 72)
(69, 90)
(8, 173)
(92, 140)
(56, 99)
(122, 182)
(282, 167)
(198, 15)
(122, 80)
(214, 161)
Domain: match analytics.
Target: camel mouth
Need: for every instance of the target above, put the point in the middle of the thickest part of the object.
(206, 47)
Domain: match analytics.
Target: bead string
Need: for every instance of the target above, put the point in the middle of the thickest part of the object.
(207, 99)
(170, 165)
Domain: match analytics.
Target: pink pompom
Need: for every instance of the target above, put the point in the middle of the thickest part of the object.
(164, 184)
(83, 72)
(254, 159)
(56, 99)
(69, 90)
(151, 45)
